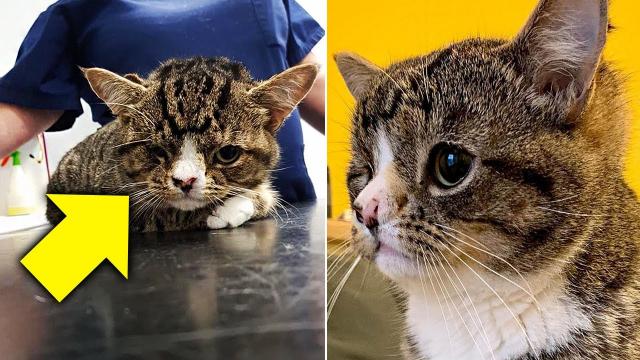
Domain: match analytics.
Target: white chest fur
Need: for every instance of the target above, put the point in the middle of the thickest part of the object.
(449, 321)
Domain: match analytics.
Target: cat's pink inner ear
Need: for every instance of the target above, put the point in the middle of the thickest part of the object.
(117, 92)
(281, 93)
(356, 71)
(562, 43)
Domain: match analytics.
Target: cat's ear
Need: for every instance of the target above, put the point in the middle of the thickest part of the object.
(118, 92)
(135, 78)
(560, 48)
(356, 71)
(282, 92)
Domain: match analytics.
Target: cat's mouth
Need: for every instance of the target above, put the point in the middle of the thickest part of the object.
(187, 203)
(390, 256)
(388, 246)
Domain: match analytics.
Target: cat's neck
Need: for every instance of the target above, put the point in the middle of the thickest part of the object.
(474, 314)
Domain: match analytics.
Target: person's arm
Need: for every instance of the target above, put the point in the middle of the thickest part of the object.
(312, 107)
(19, 124)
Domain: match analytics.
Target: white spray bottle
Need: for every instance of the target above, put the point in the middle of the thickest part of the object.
(21, 198)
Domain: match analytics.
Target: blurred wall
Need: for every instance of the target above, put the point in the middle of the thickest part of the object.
(389, 31)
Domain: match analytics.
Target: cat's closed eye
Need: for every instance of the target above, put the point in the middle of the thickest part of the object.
(360, 176)
(158, 152)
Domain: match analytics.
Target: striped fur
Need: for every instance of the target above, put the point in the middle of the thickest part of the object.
(544, 211)
(169, 128)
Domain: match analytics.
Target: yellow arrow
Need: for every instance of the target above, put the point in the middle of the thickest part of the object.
(96, 228)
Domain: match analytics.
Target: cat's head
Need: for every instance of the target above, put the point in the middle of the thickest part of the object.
(488, 151)
(199, 130)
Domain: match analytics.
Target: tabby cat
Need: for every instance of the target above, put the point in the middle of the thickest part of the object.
(486, 181)
(193, 144)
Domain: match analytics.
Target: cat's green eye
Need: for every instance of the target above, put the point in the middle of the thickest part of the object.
(228, 154)
(450, 165)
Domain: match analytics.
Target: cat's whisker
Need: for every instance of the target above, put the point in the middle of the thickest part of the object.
(561, 200)
(364, 277)
(274, 213)
(479, 325)
(145, 206)
(395, 82)
(338, 249)
(131, 142)
(340, 263)
(528, 292)
(445, 290)
(107, 170)
(570, 213)
(424, 292)
(139, 212)
(285, 206)
(158, 203)
(515, 318)
(501, 259)
(336, 293)
(465, 235)
(278, 169)
(143, 198)
(336, 263)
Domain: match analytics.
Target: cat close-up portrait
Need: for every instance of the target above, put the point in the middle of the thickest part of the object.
(193, 144)
(487, 184)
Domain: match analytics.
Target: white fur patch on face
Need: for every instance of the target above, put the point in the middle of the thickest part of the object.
(377, 186)
(385, 154)
(390, 257)
(456, 315)
(189, 165)
(235, 211)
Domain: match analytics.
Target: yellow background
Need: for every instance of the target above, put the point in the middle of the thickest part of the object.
(385, 31)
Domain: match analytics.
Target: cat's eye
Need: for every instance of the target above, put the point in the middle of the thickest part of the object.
(450, 165)
(158, 152)
(228, 154)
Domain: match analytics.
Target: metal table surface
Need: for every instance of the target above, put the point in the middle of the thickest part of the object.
(252, 292)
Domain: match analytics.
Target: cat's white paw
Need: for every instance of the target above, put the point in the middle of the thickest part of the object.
(234, 212)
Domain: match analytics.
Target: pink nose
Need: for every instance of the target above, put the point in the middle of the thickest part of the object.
(184, 185)
(369, 214)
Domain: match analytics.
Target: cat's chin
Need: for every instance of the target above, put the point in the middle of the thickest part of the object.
(396, 266)
(391, 260)
(187, 204)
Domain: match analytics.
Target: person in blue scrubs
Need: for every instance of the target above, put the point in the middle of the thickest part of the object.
(43, 90)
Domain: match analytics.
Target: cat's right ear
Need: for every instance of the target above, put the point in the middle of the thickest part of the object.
(560, 48)
(117, 92)
(356, 71)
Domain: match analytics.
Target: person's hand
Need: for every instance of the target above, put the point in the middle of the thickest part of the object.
(19, 124)
(312, 107)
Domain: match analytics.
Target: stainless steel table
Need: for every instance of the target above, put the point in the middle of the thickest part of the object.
(256, 292)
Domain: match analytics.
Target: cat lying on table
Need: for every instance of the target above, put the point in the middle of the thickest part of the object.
(193, 145)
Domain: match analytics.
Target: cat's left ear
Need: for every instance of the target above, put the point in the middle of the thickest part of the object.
(118, 92)
(560, 49)
(281, 93)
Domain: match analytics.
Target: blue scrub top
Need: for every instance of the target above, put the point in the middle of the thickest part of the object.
(135, 36)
